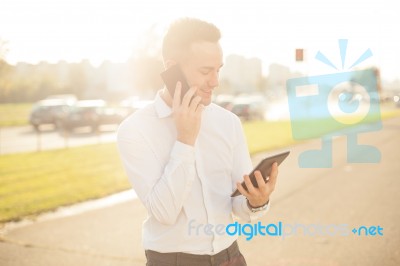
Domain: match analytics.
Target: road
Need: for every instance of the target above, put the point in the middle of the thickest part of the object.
(25, 139)
(353, 195)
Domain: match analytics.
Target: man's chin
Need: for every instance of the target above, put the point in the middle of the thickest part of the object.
(206, 102)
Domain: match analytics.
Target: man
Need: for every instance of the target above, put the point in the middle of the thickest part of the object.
(185, 158)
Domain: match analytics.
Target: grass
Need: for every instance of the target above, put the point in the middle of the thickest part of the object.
(32, 183)
(263, 136)
(14, 114)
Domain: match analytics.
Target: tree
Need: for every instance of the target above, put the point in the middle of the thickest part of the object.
(3, 49)
(146, 63)
(4, 84)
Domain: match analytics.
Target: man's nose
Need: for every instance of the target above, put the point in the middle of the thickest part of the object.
(214, 80)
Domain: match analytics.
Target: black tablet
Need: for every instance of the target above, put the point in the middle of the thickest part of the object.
(265, 168)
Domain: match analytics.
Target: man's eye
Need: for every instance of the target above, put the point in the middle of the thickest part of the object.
(205, 72)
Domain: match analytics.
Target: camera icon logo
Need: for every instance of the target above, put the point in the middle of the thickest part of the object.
(345, 103)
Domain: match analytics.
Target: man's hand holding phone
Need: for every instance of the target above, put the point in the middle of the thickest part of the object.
(186, 106)
(187, 114)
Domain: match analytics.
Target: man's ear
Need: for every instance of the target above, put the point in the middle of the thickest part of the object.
(169, 63)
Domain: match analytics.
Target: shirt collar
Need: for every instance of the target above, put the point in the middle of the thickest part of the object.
(162, 108)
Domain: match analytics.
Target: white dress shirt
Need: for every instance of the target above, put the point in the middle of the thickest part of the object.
(183, 186)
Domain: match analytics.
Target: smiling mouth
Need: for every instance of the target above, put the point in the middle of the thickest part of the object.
(206, 92)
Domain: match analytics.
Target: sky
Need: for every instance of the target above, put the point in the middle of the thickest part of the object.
(73, 30)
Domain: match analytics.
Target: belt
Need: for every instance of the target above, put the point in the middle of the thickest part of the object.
(180, 258)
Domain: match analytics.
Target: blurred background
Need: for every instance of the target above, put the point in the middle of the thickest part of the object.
(108, 52)
(71, 71)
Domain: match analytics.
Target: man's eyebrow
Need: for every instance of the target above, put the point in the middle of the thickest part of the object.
(210, 67)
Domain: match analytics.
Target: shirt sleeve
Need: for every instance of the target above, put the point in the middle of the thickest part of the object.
(162, 189)
(242, 165)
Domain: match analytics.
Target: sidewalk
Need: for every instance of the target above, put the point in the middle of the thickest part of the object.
(353, 194)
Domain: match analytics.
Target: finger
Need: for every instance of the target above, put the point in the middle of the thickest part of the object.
(177, 96)
(194, 103)
(188, 96)
(273, 176)
(199, 110)
(260, 181)
(249, 185)
(242, 190)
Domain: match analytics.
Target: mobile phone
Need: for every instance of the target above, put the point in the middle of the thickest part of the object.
(171, 76)
(264, 167)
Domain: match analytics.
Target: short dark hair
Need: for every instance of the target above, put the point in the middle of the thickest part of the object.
(183, 32)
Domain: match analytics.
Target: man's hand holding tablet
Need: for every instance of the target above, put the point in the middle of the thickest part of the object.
(263, 169)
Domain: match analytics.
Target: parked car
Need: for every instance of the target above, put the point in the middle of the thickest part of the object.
(250, 108)
(225, 101)
(396, 100)
(47, 112)
(69, 98)
(90, 113)
(133, 104)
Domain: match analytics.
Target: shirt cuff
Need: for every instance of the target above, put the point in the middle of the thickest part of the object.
(255, 215)
(183, 152)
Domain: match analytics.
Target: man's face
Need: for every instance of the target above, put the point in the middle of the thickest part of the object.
(201, 66)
